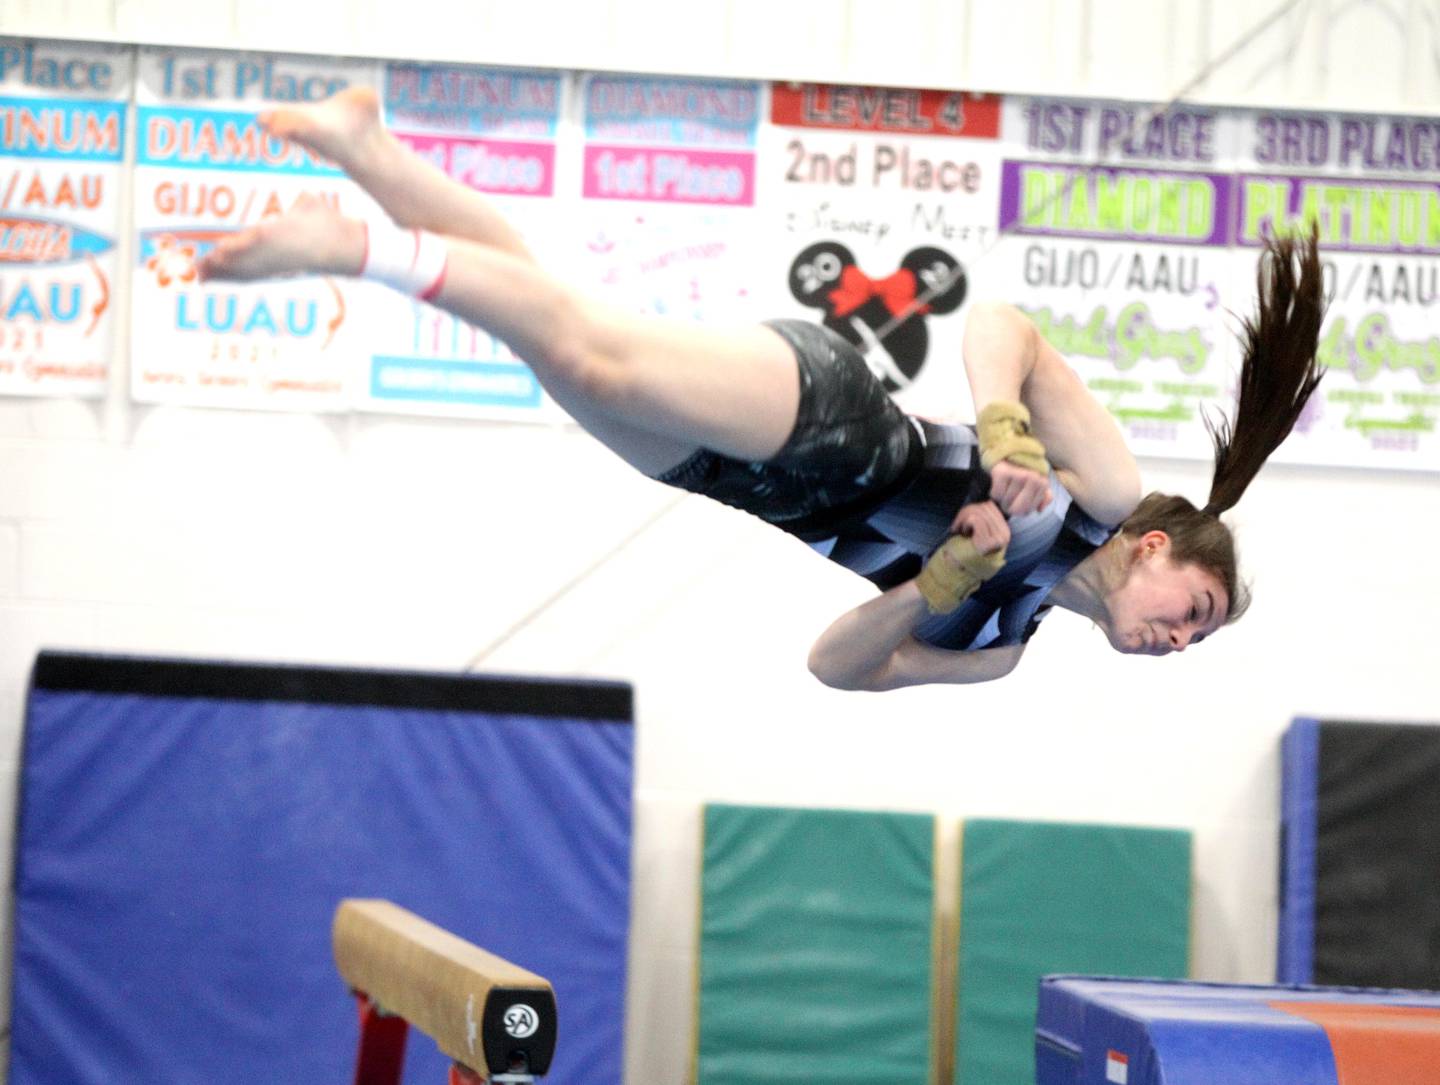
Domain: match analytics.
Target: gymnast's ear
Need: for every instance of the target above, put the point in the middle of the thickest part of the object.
(1152, 544)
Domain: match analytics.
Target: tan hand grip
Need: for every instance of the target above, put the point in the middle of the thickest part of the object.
(1004, 433)
(955, 571)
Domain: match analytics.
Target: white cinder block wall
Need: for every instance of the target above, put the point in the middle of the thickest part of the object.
(430, 544)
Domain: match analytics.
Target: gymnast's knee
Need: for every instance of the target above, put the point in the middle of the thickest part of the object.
(575, 370)
(575, 364)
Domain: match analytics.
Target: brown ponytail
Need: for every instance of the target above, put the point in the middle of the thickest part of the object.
(1278, 372)
(1277, 375)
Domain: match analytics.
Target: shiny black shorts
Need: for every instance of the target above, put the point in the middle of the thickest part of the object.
(851, 448)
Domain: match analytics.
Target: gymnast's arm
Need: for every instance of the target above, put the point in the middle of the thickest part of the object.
(872, 648)
(1006, 358)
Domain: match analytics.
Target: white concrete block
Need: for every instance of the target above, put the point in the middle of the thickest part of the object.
(25, 628)
(666, 871)
(1349, 74)
(175, 21)
(98, 561)
(9, 561)
(291, 27)
(9, 793)
(1264, 61)
(26, 17)
(42, 479)
(12, 725)
(1130, 50)
(788, 40)
(1236, 903)
(1028, 47)
(15, 418)
(663, 37)
(87, 18)
(661, 989)
(869, 36)
(68, 419)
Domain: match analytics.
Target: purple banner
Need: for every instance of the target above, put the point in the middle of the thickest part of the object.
(1354, 214)
(1060, 200)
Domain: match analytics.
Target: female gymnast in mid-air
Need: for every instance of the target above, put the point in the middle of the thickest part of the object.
(972, 532)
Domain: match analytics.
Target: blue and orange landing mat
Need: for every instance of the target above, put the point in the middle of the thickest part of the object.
(1092, 1031)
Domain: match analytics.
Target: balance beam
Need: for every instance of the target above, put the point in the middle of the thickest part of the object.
(489, 1015)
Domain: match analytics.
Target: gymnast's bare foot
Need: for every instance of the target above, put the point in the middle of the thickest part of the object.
(312, 238)
(345, 128)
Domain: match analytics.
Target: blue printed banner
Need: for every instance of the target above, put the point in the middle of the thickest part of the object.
(76, 131)
(494, 131)
(39, 241)
(213, 139)
(62, 141)
(688, 112)
(426, 380)
(476, 101)
(205, 169)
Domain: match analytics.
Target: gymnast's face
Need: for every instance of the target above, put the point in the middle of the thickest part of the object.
(1163, 607)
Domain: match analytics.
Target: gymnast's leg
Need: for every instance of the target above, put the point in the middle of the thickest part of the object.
(348, 130)
(652, 390)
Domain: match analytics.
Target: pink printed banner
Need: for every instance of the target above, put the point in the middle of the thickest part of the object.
(496, 166)
(494, 131)
(670, 175)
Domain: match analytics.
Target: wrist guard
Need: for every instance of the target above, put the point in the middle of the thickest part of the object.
(954, 571)
(1004, 432)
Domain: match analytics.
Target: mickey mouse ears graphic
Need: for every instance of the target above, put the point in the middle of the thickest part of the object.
(885, 317)
(940, 282)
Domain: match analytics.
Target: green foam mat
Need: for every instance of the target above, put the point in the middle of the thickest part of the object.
(1038, 898)
(816, 940)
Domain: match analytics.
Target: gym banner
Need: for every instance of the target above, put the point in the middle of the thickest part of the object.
(62, 142)
(1128, 234)
(879, 202)
(1118, 225)
(1371, 185)
(494, 131)
(668, 187)
(204, 169)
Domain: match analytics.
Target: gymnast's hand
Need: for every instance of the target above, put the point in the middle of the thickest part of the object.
(1017, 490)
(1014, 456)
(984, 524)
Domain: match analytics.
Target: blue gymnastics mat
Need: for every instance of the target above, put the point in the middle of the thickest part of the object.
(1101, 1031)
(186, 830)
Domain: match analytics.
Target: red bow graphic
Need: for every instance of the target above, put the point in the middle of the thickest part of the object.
(896, 291)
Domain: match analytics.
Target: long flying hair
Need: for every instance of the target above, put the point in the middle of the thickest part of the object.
(1279, 371)
(1277, 376)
